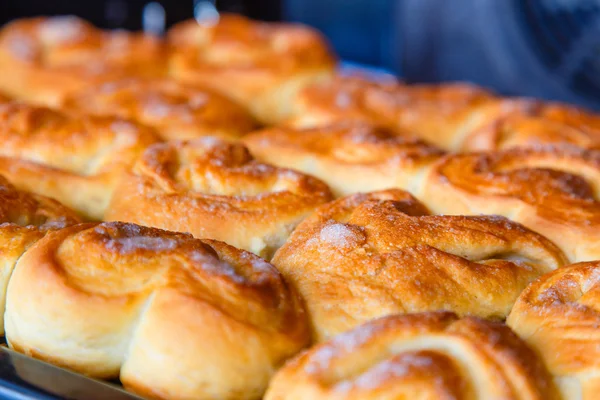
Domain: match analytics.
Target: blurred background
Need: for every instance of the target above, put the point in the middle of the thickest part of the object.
(542, 48)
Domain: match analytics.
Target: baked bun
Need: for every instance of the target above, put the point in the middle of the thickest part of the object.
(552, 190)
(347, 98)
(427, 356)
(370, 255)
(171, 316)
(349, 157)
(558, 316)
(439, 114)
(24, 219)
(174, 110)
(76, 160)
(42, 59)
(261, 65)
(529, 123)
(216, 189)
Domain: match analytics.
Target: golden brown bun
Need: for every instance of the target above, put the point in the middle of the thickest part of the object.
(369, 255)
(24, 219)
(349, 157)
(529, 123)
(427, 356)
(347, 98)
(216, 189)
(554, 191)
(76, 160)
(558, 316)
(171, 316)
(174, 110)
(439, 114)
(43, 59)
(442, 114)
(261, 65)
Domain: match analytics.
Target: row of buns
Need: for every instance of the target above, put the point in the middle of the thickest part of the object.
(253, 193)
(426, 241)
(259, 65)
(363, 278)
(188, 83)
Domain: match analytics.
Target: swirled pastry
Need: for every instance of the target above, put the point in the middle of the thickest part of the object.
(440, 114)
(554, 191)
(261, 65)
(349, 157)
(427, 356)
(174, 110)
(558, 315)
(24, 219)
(528, 123)
(171, 316)
(76, 160)
(43, 59)
(216, 189)
(375, 254)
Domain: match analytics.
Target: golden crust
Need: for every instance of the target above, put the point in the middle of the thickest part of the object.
(456, 116)
(434, 113)
(529, 123)
(444, 114)
(43, 59)
(376, 254)
(552, 190)
(347, 98)
(261, 65)
(216, 189)
(436, 355)
(74, 159)
(349, 157)
(24, 219)
(558, 316)
(176, 111)
(172, 316)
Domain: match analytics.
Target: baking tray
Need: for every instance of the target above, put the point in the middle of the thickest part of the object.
(25, 378)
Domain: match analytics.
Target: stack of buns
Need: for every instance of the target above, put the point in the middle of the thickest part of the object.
(221, 214)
